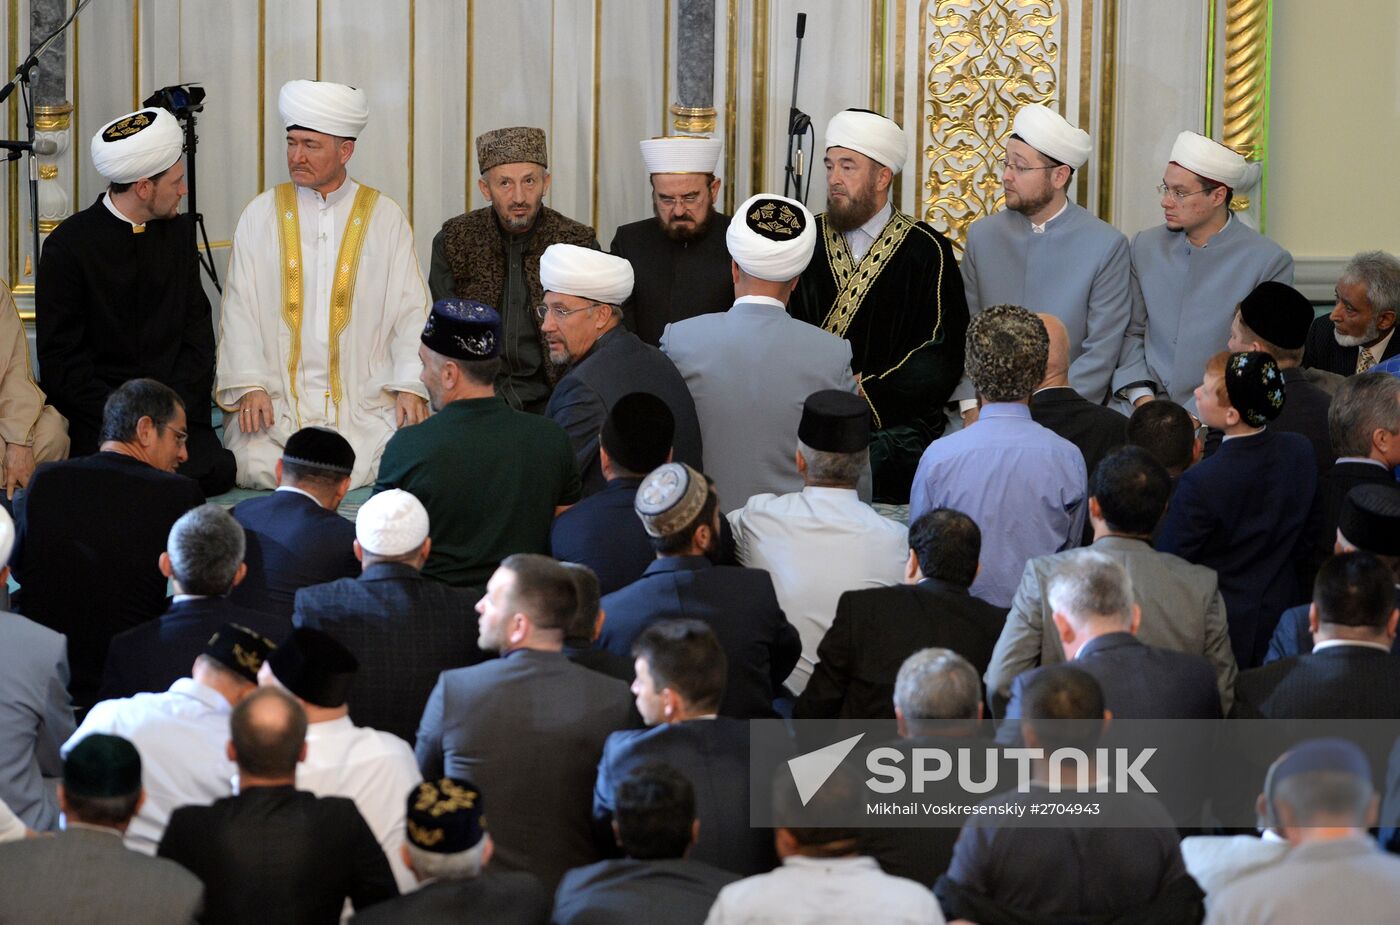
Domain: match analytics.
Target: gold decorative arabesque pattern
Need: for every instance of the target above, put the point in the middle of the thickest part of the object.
(1246, 81)
(986, 59)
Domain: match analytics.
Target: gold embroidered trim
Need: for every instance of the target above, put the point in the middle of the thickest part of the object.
(854, 282)
(289, 246)
(343, 290)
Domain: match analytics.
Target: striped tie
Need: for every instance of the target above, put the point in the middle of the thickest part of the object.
(1364, 360)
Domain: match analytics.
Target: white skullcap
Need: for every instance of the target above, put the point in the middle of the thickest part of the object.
(392, 523)
(1214, 161)
(772, 237)
(681, 154)
(1049, 133)
(572, 270)
(873, 135)
(139, 144)
(7, 536)
(322, 106)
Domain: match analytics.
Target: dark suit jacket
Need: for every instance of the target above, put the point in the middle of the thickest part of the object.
(293, 542)
(675, 891)
(876, 629)
(713, 754)
(279, 855)
(529, 728)
(739, 604)
(1292, 636)
(1304, 412)
(1096, 430)
(404, 629)
(1340, 682)
(89, 537)
(1321, 351)
(618, 364)
(154, 655)
(582, 652)
(604, 533)
(507, 897)
(674, 280)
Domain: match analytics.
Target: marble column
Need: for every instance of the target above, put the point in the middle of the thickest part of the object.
(52, 112)
(694, 109)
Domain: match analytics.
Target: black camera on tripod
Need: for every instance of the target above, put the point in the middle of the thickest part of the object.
(182, 100)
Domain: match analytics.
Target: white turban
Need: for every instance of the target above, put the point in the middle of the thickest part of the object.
(873, 135)
(681, 154)
(1214, 161)
(1049, 133)
(772, 237)
(586, 273)
(392, 523)
(322, 106)
(139, 144)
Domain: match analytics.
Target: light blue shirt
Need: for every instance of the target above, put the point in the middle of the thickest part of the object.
(1023, 485)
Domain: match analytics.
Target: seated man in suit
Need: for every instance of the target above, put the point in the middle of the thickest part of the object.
(1165, 430)
(602, 531)
(1095, 429)
(403, 629)
(203, 559)
(91, 530)
(528, 727)
(448, 851)
(1357, 335)
(1364, 422)
(583, 629)
(295, 536)
(655, 822)
(680, 681)
(85, 874)
(876, 629)
(1181, 605)
(183, 731)
(306, 854)
(679, 509)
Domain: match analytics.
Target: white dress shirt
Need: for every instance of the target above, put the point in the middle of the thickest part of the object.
(11, 828)
(860, 240)
(826, 891)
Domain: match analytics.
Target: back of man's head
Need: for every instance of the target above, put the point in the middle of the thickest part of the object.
(1318, 790)
(934, 686)
(1064, 707)
(685, 655)
(637, 434)
(542, 591)
(205, 546)
(102, 781)
(807, 829)
(1132, 489)
(1362, 405)
(136, 399)
(1164, 429)
(1092, 591)
(654, 813)
(947, 544)
(589, 595)
(1007, 347)
(1354, 589)
(317, 460)
(268, 730)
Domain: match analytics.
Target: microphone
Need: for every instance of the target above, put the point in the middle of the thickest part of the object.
(801, 24)
(43, 147)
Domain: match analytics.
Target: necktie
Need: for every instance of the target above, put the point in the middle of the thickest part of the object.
(1364, 360)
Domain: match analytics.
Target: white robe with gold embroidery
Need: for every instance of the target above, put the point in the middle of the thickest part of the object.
(378, 348)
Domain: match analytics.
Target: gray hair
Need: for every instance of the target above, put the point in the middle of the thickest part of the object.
(1380, 272)
(205, 546)
(834, 468)
(937, 684)
(1364, 403)
(1320, 794)
(1088, 586)
(464, 865)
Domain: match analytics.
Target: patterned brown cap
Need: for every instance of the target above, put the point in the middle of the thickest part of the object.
(516, 145)
(1007, 347)
(670, 498)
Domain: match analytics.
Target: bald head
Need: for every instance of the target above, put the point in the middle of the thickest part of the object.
(1057, 362)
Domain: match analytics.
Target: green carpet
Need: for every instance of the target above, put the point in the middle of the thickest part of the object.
(348, 507)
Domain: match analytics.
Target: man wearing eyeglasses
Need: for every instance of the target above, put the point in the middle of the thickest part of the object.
(1046, 252)
(1191, 272)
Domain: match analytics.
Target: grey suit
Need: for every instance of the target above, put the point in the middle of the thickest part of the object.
(749, 370)
(36, 718)
(87, 876)
(1181, 606)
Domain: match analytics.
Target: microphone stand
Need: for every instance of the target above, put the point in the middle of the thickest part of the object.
(799, 124)
(206, 259)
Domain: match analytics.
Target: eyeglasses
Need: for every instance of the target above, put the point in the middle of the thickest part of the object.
(181, 437)
(561, 313)
(1179, 194)
(689, 199)
(1018, 169)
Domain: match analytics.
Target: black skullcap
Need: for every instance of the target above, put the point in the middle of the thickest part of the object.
(315, 667)
(835, 422)
(102, 766)
(1370, 519)
(1255, 386)
(638, 432)
(239, 649)
(463, 330)
(1278, 313)
(445, 816)
(320, 448)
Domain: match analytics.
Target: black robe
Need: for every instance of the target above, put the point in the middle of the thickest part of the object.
(674, 280)
(906, 333)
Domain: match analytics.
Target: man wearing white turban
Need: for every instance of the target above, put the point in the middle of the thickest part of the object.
(890, 286)
(119, 297)
(311, 333)
(1190, 273)
(581, 319)
(1045, 252)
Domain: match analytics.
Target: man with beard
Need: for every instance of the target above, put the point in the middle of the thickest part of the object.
(681, 263)
(492, 256)
(1047, 252)
(1190, 273)
(1356, 336)
(890, 286)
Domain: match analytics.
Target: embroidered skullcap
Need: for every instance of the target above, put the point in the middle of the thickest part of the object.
(681, 154)
(1052, 135)
(239, 649)
(1255, 386)
(1007, 348)
(834, 421)
(1370, 519)
(1214, 161)
(463, 330)
(670, 498)
(638, 432)
(1278, 313)
(587, 273)
(392, 523)
(325, 107)
(7, 536)
(315, 667)
(871, 134)
(139, 144)
(519, 144)
(102, 765)
(772, 237)
(320, 448)
(445, 816)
